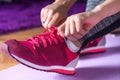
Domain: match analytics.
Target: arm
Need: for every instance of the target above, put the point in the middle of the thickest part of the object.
(108, 8)
(67, 3)
(77, 25)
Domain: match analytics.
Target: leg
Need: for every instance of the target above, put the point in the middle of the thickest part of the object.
(105, 26)
(97, 45)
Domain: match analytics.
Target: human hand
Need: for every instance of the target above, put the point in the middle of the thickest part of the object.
(53, 14)
(76, 26)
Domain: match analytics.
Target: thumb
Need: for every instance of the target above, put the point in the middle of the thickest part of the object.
(87, 27)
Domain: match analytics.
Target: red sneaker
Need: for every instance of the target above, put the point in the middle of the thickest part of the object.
(47, 51)
(95, 46)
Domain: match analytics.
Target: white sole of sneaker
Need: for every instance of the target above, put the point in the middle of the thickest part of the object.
(93, 50)
(68, 69)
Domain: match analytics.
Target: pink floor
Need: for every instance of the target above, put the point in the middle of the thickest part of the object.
(101, 66)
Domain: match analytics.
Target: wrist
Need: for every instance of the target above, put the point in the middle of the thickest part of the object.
(66, 3)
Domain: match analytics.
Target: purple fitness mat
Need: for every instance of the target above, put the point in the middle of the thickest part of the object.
(26, 14)
(99, 66)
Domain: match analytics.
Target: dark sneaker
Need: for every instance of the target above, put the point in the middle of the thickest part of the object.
(95, 46)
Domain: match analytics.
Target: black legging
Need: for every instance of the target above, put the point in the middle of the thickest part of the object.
(100, 33)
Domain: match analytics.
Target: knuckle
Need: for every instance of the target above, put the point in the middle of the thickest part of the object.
(51, 11)
(43, 9)
(57, 14)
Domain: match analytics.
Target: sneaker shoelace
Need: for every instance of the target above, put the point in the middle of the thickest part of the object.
(46, 38)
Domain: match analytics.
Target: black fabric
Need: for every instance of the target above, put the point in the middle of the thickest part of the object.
(103, 32)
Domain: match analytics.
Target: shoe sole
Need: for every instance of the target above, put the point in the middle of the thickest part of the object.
(58, 69)
(93, 50)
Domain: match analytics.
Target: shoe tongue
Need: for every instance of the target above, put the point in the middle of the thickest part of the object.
(71, 46)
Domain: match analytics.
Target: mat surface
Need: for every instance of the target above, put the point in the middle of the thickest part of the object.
(99, 66)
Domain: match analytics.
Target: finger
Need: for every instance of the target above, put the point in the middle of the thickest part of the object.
(72, 27)
(67, 29)
(49, 17)
(78, 24)
(54, 21)
(61, 30)
(43, 15)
